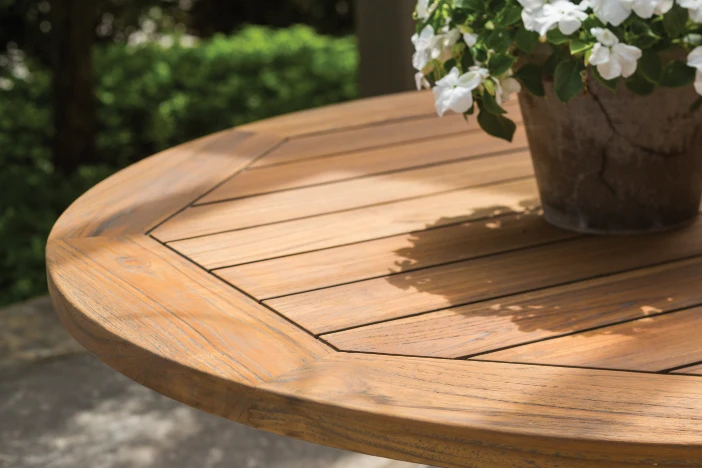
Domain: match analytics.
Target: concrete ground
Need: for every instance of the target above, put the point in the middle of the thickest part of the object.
(62, 408)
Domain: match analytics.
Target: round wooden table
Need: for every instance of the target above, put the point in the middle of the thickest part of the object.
(371, 277)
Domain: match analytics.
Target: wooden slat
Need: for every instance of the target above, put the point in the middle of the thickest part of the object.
(357, 262)
(169, 325)
(376, 136)
(694, 370)
(461, 413)
(138, 198)
(501, 323)
(648, 344)
(315, 146)
(313, 201)
(361, 164)
(460, 283)
(304, 235)
(354, 114)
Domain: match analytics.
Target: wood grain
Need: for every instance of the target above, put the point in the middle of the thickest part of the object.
(469, 281)
(364, 163)
(143, 195)
(696, 370)
(305, 235)
(486, 414)
(381, 134)
(524, 318)
(649, 344)
(349, 115)
(139, 307)
(364, 138)
(357, 262)
(341, 196)
(148, 310)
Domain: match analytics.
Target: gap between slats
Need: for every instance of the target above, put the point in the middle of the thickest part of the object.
(347, 195)
(473, 281)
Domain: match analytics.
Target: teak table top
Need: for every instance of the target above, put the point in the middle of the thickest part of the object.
(370, 277)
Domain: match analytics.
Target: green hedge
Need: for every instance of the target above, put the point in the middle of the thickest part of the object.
(151, 98)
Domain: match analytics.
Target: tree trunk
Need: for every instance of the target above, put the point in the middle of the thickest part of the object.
(75, 108)
(385, 28)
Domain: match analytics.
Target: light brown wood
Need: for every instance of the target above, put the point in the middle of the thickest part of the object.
(356, 262)
(649, 344)
(469, 281)
(696, 370)
(364, 163)
(364, 138)
(331, 230)
(167, 324)
(487, 414)
(449, 253)
(135, 201)
(529, 317)
(342, 196)
(367, 137)
(349, 115)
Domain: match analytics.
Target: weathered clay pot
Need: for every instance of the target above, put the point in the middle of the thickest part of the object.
(619, 163)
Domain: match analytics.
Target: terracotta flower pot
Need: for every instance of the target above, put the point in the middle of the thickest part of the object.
(619, 163)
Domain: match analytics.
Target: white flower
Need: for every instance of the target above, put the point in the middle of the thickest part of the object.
(430, 46)
(422, 82)
(647, 8)
(505, 87)
(424, 46)
(423, 9)
(444, 44)
(613, 12)
(695, 8)
(470, 39)
(612, 58)
(455, 91)
(694, 60)
(542, 16)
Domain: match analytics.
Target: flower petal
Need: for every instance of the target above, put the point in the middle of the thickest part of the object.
(461, 100)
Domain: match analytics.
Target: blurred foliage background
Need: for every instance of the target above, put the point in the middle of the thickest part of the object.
(144, 75)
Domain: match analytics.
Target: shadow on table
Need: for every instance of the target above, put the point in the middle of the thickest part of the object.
(552, 285)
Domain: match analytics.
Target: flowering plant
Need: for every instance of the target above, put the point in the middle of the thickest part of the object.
(479, 52)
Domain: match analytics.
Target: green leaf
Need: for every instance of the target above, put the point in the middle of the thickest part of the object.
(651, 66)
(568, 80)
(642, 35)
(512, 15)
(531, 78)
(496, 125)
(490, 104)
(677, 74)
(640, 85)
(577, 46)
(526, 40)
(556, 37)
(475, 5)
(467, 59)
(609, 84)
(450, 64)
(549, 67)
(499, 39)
(500, 63)
(675, 21)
